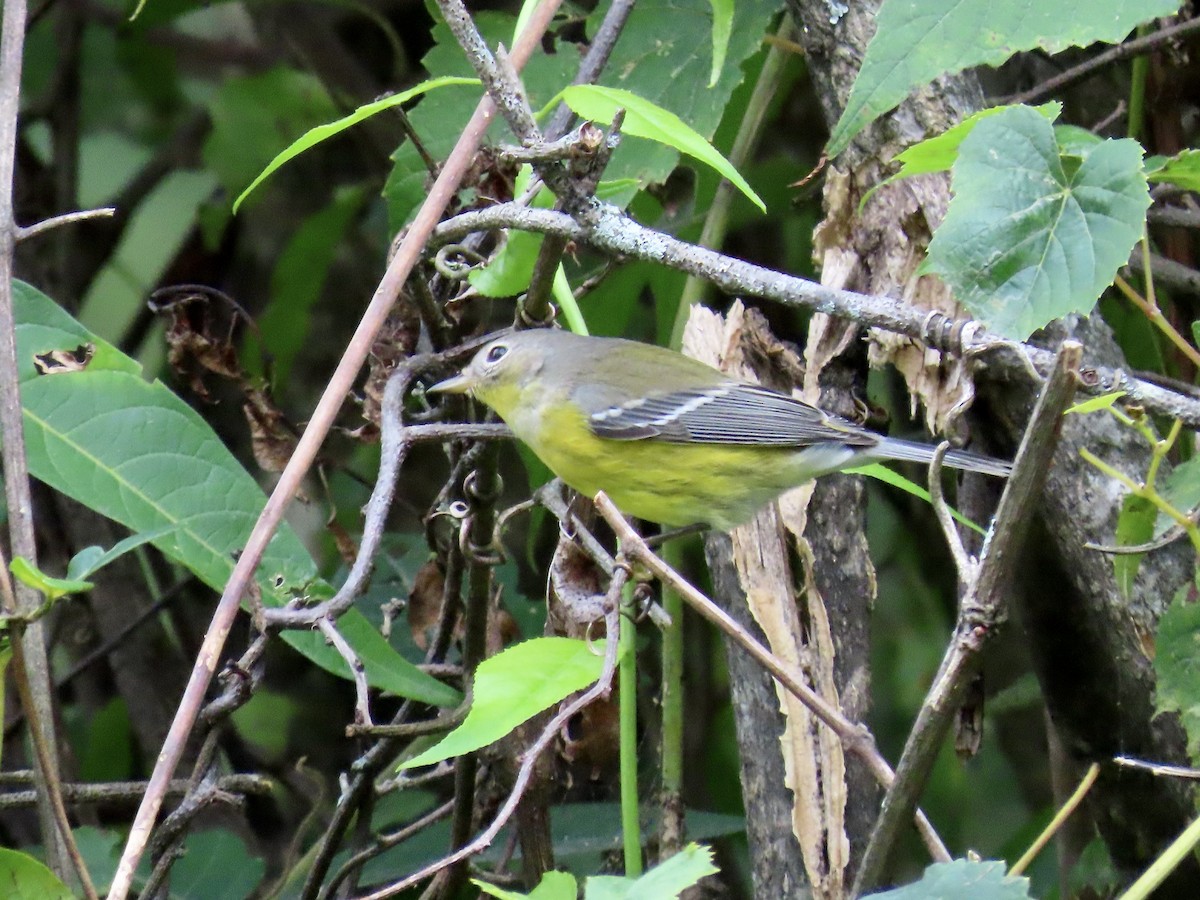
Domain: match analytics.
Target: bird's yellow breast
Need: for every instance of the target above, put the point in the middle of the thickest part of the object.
(671, 483)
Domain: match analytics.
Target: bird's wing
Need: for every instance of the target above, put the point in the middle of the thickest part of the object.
(729, 413)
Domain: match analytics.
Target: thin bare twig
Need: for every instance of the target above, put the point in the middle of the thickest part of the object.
(362, 694)
(964, 563)
(980, 612)
(31, 667)
(310, 441)
(609, 230)
(104, 212)
(1136, 47)
(854, 737)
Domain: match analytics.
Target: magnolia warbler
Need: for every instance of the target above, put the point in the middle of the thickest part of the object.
(668, 438)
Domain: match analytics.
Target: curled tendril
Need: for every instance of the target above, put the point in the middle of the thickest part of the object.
(456, 261)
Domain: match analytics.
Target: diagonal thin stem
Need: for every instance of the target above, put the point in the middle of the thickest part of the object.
(340, 384)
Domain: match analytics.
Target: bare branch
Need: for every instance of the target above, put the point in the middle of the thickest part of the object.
(980, 612)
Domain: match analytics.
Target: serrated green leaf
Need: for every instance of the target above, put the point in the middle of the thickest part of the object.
(979, 880)
(24, 878)
(553, 886)
(136, 453)
(320, 133)
(647, 120)
(1024, 242)
(1177, 664)
(1104, 401)
(515, 685)
(918, 40)
(1135, 525)
(1075, 141)
(1182, 169)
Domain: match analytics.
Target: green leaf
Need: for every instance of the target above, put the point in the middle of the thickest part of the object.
(979, 880)
(51, 587)
(24, 878)
(1182, 169)
(1023, 241)
(664, 882)
(722, 13)
(648, 120)
(133, 451)
(1181, 489)
(553, 886)
(299, 277)
(515, 685)
(938, 154)
(253, 114)
(918, 40)
(90, 560)
(1177, 664)
(316, 135)
(216, 865)
(1135, 525)
(882, 473)
(1104, 401)
(439, 121)
(510, 269)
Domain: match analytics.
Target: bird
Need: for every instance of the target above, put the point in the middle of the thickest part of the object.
(668, 438)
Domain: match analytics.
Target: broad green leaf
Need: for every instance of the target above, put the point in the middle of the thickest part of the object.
(53, 588)
(1182, 169)
(1023, 241)
(666, 881)
(647, 120)
(1104, 401)
(1177, 664)
(515, 685)
(722, 15)
(216, 865)
(24, 878)
(918, 40)
(553, 886)
(133, 451)
(979, 880)
(1135, 525)
(316, 135)
(1073, 140)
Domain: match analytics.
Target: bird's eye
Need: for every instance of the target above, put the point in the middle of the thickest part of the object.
(496, 353)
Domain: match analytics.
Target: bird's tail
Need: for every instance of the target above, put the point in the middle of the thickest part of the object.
(910, 451)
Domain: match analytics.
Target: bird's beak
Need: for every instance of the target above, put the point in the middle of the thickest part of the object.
(459, 384)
